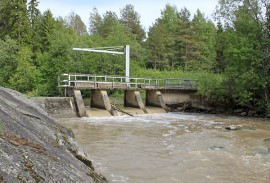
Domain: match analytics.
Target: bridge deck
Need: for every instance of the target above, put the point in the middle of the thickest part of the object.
(87, 81)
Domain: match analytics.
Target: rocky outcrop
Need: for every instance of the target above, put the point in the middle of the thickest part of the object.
(34, 148)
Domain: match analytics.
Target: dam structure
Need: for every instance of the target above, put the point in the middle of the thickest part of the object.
(159, 92)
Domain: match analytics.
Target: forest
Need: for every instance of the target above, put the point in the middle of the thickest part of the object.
(229, 54)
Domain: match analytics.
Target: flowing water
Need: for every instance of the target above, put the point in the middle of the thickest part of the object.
(176, 147)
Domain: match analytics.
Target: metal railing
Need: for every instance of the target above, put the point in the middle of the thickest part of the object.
(119, 82)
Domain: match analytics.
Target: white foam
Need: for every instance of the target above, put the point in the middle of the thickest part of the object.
(154, 119)
(119, 178)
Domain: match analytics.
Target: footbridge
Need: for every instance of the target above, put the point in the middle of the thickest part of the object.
(159, 92)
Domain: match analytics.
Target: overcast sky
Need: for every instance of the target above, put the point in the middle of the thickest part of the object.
(148, 9)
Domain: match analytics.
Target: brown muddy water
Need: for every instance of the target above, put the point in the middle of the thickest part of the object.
(176, 147)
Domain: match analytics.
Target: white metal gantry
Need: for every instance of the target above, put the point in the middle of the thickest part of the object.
(111, 50)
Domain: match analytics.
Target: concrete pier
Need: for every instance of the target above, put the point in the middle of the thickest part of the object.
(154, 98)
(134, 99)
(100, 100)
(78, 101)
(160, 92)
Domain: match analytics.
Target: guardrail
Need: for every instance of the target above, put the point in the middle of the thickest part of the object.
(118, 82)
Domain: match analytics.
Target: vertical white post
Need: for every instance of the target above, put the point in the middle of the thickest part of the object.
(127, 48)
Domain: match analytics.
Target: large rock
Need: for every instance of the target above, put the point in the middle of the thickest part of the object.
(34, 148)
(232, 127)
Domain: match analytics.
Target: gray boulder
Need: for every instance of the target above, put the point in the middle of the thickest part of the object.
(232, 127)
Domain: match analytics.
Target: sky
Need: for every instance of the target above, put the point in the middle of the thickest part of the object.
(149, 10)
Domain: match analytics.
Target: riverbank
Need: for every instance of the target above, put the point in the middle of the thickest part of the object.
(199, 104)
(34, 148)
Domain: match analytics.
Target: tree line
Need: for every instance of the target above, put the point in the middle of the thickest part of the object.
(229, 57)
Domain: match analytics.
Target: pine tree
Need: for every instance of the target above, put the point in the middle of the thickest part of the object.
(204, 33)
(220, 64)
(131, 19)
(47, 28)
(75, 22)
(186, 43)
(95, 22)
(35, 24)
(33, 12)
(156, 45)
(110, 20)
(170, 19)
(14, 20)
(163, 37)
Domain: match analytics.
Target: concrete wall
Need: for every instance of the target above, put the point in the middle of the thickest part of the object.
(62, 107)
(176, 96)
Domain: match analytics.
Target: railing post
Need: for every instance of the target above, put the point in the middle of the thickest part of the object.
(59, 80)
(68, 79)
(95, 80)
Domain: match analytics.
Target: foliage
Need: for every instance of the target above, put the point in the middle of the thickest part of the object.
(14, 21)
(46, 29)
(162, 38)
(242, 56)
(25, 77)
(8, 62)
(56, 60)
(204, 33)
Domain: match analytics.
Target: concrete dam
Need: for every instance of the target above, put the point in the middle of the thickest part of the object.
(159, 94)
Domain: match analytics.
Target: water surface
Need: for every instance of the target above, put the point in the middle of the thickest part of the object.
(176, 147)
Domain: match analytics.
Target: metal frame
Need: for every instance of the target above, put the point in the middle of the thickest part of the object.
(110, 50)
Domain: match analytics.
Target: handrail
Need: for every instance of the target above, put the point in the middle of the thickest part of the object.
(99, 81)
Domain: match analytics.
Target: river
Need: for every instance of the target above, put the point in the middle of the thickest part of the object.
(176, 147)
